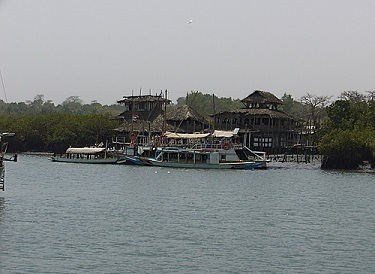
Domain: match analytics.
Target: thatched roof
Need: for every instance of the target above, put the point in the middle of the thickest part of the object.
(262, 97)
(178, 115)
(144, 126)
(142, 115)
(258, 112)
(185, 112)
(143, 98)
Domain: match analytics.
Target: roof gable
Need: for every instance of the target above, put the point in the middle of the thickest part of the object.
(261, 97)
(185, 112)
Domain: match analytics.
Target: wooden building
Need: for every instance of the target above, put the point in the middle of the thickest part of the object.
(146, 116)
(143, 114)
(187, 120)
(262, 125)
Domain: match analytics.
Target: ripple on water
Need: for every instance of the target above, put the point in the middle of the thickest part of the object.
(66, 218)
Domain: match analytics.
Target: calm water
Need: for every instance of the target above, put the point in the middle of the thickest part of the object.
(66, 218)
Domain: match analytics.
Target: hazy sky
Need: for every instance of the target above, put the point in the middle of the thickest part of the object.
(103, 49)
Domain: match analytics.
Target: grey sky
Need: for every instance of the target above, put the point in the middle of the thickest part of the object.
(103, 49)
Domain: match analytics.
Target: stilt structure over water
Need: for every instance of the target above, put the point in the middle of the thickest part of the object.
(3, 149)
(296, 158)
(298, 154)
(2, 183)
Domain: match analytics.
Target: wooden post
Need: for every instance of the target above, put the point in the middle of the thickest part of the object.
(2, 181)
(214, 110)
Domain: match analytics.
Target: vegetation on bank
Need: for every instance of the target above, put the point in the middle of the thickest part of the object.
(344, 130)
(71, 105)
(40, 125)
(348, 132)
(56, 132)
(208, 104)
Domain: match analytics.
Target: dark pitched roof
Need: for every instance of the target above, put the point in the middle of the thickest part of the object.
(144, 126)
(262, 97)
(179, 114)
(185, 112)
(143, 98)
(259, 112)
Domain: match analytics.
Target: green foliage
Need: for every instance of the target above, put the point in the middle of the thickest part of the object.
(349, 134)
(347, 149)
(207, 104)
(293, 107)
(288, 101)
(72, 105)
(340, 115)
(56, 132)
(350, 115)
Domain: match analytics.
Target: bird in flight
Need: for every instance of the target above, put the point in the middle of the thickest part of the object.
(191, 21)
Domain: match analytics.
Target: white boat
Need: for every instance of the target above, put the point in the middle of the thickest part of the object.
(199, 151)
(175, 157)
(86, 155)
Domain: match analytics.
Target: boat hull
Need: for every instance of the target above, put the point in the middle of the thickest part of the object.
(85, 161)
(142, 161)
(246, 166)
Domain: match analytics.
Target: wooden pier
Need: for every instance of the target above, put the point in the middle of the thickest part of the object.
(2, 183)
(296, 158)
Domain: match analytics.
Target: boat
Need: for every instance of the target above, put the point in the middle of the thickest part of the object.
(198, 150)
(175, 157)
(86, 155)
(227, 145)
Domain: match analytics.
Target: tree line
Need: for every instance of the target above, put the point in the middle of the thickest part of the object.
(344, 129)
(72, 105)
(55, 132)
(40, 125)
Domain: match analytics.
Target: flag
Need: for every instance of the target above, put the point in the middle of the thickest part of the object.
(135, 117)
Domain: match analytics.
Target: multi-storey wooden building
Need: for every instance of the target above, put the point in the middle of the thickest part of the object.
(187, 120)
(143, 113)
(146, 116)
(261, 124)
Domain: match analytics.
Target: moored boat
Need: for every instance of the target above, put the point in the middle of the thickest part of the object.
(174, 157)
(86, 155)
(215, 150)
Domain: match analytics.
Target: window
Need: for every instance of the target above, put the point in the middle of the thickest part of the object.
(264, 142)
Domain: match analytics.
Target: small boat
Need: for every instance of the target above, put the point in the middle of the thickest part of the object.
(175, 157)
(86, 155)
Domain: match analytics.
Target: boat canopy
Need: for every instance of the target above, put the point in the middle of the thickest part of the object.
(85, 150)
(8, 134)
(186, 135)
(224, 134)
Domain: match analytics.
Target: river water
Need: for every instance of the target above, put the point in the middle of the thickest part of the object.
(291, 218)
